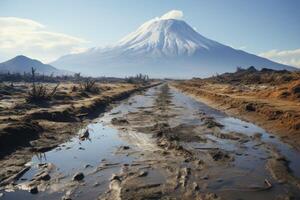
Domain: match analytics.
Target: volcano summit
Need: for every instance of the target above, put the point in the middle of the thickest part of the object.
(163, 47)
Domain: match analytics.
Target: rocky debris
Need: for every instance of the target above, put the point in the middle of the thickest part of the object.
(46, 166)
(183, 176)
(15, 177)
(210, 122)
(278, 169)
(119, 121)
(43, 176)
(78, 176)
(229, 136)
(219, 155)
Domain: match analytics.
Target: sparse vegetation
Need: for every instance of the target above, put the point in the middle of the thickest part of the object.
(89, 86)
(139, 78)
(42, 78)
(39, 92)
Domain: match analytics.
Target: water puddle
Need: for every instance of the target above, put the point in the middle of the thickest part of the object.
(88, 156)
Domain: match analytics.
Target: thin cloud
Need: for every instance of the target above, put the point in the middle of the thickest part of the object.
(289, 57)
(31, 38)
(173, 14)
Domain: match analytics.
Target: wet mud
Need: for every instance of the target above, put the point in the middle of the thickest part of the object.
(162, 144)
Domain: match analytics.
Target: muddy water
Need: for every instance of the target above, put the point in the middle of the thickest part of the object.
(231, 124)
(111, 149)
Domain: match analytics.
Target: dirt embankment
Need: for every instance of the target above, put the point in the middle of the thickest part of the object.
(28, 129)
(273, 105)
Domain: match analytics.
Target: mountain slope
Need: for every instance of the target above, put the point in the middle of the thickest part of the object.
(21, 64)
(164, 48)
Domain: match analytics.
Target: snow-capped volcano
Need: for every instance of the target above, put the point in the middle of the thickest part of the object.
(163, 47)
(165, 37)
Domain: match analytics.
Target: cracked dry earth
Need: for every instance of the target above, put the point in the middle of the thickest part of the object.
(162, 144)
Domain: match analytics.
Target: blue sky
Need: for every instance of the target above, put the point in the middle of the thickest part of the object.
(265, 27)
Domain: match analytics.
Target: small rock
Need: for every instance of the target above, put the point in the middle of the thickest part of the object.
(78, 176)
(195, 186)
(143, 173)
(200, 162)
(115, 177)
(33, 190)
(85, 134)
(219, 155)
(125, 147)
(42, 165)
(96, 184)
(250, 107)
(44, 176)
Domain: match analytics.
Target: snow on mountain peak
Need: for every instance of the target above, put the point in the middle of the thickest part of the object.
(173, 14)
(165, 36)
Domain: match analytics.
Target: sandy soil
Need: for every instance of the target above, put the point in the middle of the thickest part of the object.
(258, 103)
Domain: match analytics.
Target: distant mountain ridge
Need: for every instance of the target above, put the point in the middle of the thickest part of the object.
(21, 64)
(164, 48)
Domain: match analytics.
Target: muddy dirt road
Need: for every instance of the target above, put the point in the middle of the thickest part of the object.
(162, 144)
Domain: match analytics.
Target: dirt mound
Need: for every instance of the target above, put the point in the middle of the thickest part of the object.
(287, 91)
(18, 134)
(294, 89)
(253, 76)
